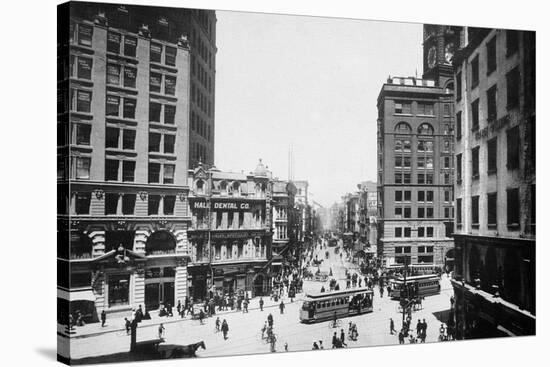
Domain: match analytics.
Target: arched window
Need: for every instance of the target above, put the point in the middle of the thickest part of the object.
(160, 243)
(199, 187)
(425, 129)
(258, 190)
(236, 188)
(223, 187)
(403, 128)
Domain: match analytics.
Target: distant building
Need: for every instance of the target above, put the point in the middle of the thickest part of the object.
(494, 279)
(285, 224)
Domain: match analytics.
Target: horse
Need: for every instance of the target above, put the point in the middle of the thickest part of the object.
(187, 350)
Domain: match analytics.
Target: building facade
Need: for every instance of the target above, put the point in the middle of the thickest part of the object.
(494, 280)
(230, 234)
(123, 146)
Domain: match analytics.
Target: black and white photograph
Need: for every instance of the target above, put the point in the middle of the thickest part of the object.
(254, 182)
(235, 183)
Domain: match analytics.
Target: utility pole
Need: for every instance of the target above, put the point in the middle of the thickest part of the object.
(405, 294)
(209, 206)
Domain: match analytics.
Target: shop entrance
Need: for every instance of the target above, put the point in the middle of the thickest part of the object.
(157, 294)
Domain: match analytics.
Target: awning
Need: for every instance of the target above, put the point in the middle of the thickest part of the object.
(83, 295)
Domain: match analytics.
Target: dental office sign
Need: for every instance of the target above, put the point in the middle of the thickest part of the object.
(225, 205)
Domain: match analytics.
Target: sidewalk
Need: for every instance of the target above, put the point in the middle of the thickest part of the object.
(118, 324)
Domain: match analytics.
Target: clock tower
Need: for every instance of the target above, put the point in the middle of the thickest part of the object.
(440, 42)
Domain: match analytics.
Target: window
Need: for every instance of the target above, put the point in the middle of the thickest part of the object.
(420, 179)
(80, 100)
(128, 204)
(398, 232)
(402, 128)
(407, 233)
(475, 162)
(458, 86)
(169, 203)
(154, 172)
(168, 177)
(113, 74)
(170, 56)
(446, 109)
(446, 162)
(398, 178)
(129, 110)
(111, 203)
(447, 212)
(155, 52)
(153, 202)
(406, 178)
(420, 234)
(407, 195)
(82, 167)
(403, 107)
(83, 68)
(447, 196)
(154, 142)
(111, 169)
(459, 211)
(128, 171)
(459, 168)
(421, 212)
(130, 44)
(429, 178)
(475, 115)
(512, 42)
(81, 134)
(512, 88)
(398, 212)
(425, 109)
(512, 204)
(399, 196)
(407, 249)
(429, 212)
(407, 211)
(398, 249)
(513, 146)
(85, 34)
(113, 42)
(407, 162)
(475, 71)
(429, 232)
(492, 209)
(170, 85)
(154, 111)
(475, 210)
(82, 203)
(429, 196)
(113, 104)
(398, 161)
(169, 141)
(459, 125)
(492, 55)
(492, 103)
(420, 196)
(155, 82)
(241, 219)
(492, 156)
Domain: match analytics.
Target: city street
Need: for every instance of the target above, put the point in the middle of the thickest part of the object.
(244, 335)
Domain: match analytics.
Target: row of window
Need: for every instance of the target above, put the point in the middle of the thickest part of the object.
(202, 74)
(125, 204)
(512, 47)
(422, 212)
(420, 249)
(200, 126)
(422, 108)
(202, 48)
(512, 155)
(512, 208)
(405, 232)
(421, 162)
(202, 101)
(422, 196)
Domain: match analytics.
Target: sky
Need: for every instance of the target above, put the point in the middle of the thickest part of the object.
(311, 82)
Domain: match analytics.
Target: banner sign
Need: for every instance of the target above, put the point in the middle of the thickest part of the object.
(223, 205)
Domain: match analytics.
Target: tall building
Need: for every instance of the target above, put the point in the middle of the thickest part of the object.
(123, 148)
(494, 279)
(301, 198)
(230, 233)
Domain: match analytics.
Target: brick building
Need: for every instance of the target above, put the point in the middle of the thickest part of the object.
(494, 281)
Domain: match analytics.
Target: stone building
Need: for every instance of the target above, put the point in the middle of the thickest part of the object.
(123, 145)
(230, 235)
(285, 221)
(494, 279)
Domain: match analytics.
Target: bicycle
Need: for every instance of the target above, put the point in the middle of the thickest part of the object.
(333, 324)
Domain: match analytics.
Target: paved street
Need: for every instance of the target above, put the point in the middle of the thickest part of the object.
(244, 329)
